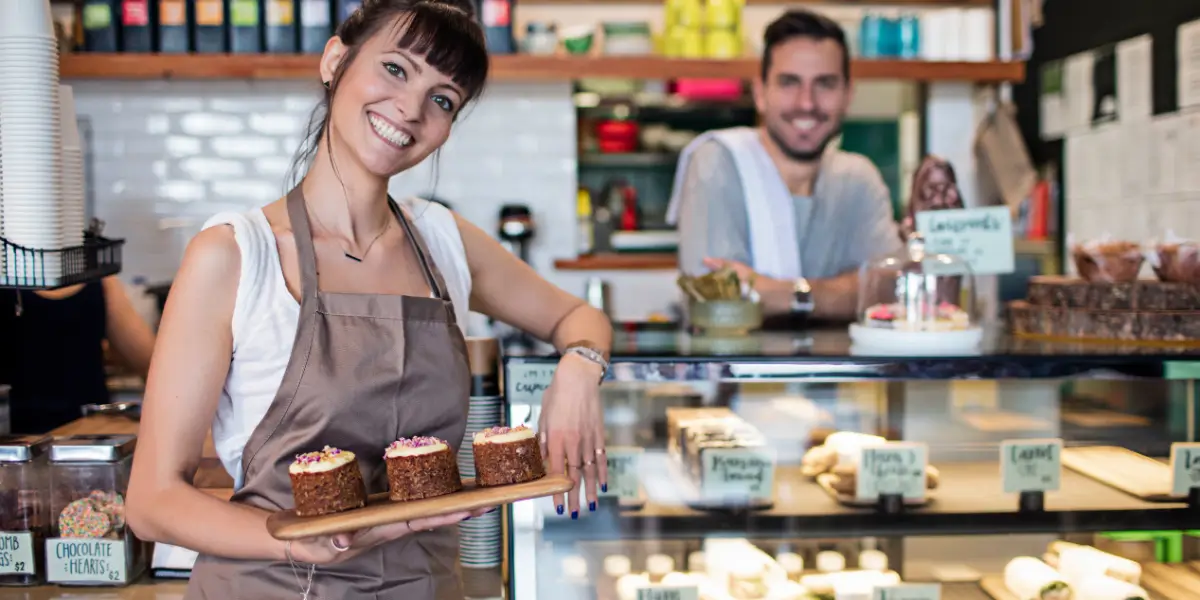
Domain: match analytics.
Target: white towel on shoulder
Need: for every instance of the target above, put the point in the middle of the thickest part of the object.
(774, 249)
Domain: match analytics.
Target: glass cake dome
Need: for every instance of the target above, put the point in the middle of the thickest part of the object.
(916, 299)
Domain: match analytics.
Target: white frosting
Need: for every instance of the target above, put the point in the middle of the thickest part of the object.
(616, 565)
(830, 561)
(512, 435)
(326, 461)
(397, 451)
(791, 562)
(659, 564)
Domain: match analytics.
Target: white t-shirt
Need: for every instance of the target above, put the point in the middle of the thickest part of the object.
(265, 317)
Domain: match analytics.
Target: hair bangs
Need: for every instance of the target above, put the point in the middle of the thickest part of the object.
(449, 40)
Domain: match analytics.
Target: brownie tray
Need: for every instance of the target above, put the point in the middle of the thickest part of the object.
(285, 525)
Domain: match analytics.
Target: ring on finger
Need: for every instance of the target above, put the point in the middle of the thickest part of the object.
(574, 466)
(333, 542)
(588, 463)
(599, 451)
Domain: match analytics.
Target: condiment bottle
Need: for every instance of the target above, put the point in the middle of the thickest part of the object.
(173, 25)
(24, 518)
(245, 26)
(210, 27)
(137, 33)
(316, 25)
(99, 26)
(280, 26)
(91, 544)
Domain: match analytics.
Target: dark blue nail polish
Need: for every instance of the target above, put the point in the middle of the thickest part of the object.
(560, 509)
(467, 519)
(492, 511)
(592, 506)
(574, 515)
(604, 487)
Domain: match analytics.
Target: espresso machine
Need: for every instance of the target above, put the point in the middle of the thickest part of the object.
(515, 229)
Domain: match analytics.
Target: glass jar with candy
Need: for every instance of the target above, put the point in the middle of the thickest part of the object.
(90, 543)
(24, 517)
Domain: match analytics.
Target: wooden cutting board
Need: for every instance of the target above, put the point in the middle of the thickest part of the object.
(826, 480)
(1126, 470)
(994, 586)
(285, 525)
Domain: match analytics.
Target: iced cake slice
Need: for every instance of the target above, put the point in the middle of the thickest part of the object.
(326, 481)
(506, 455)
(421, 467)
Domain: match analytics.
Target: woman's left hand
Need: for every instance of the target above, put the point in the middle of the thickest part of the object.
(571, 428)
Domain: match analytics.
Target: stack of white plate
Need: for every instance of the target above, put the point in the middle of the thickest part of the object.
(31, 186)
(480, 536)
(72, 166)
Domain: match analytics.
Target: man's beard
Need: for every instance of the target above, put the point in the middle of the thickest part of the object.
(804, 156)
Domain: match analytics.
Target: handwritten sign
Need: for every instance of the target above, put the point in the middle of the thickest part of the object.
(908, 591)
(85, 560)
(16, 553)
(1185, 467)
(668, 592)
(894, 468)
(528, 381)
(981, 236)
(623, 480)
(737, 472)
(1031, 465)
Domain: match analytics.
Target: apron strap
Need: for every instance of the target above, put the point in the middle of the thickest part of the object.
(305, 253)
(434, 279)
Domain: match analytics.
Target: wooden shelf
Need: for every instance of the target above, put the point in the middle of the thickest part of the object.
(658, 261)
(621, 262)
(837, 3)
(513, 67)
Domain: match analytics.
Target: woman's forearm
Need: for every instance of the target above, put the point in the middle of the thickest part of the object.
(185, 516)
(584, 324)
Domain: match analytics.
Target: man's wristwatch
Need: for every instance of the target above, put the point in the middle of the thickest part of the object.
(589, 353)
(802, 301)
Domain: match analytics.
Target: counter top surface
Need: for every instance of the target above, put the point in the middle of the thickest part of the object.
(146, 589)
(829, 352)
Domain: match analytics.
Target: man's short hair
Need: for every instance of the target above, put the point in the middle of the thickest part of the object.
(802, 23)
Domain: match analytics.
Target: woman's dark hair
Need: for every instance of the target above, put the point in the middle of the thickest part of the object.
(806, 24)
(443, 32)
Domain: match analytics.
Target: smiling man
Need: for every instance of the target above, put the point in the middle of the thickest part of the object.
(778, 199)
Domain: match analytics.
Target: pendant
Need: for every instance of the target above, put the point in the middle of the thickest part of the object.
(351, 256)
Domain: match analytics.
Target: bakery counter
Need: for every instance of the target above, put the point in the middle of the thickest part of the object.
(967, 501)
(144, 589)
(658, 354)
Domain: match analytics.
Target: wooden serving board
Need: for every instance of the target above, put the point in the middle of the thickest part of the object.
(993, 585)
(1126, 470)
(1171, 582)
(825, 480)
(380, 510)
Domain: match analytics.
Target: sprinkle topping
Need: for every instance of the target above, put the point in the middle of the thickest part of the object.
(327, 454)
(419, 441)
(500, 430)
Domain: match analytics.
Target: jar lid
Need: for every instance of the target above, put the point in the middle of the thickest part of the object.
(92, 448)
(23, 448)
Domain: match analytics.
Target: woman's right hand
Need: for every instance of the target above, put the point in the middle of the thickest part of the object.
(321, 550)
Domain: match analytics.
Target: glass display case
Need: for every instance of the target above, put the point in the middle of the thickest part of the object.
(787, 466)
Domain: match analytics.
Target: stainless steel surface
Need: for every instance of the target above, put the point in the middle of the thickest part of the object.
(92, 448)
(23, 448)
(130, 409)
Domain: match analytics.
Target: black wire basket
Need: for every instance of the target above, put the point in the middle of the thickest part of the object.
(34, 269)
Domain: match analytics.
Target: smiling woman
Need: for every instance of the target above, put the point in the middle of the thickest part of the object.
(283, 362)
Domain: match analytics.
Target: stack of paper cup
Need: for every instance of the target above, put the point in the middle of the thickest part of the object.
(30, 139)
(72, 165)
(480, 538)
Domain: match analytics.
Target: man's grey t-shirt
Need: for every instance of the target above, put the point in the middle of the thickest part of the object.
(847, 222)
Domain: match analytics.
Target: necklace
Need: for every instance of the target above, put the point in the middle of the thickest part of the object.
(346, 252)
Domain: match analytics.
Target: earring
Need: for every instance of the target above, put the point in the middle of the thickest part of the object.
(326, 84)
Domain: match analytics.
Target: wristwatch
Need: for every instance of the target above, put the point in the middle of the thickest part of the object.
(589, 353)
(802, 301)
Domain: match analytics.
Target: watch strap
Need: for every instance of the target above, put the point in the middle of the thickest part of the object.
(591, 354)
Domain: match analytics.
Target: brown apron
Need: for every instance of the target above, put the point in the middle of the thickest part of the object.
(365, 369)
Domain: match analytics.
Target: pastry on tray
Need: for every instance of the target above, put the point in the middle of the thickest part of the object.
(326, 482)
(507, 455)
(1110, 262)
(1177, 262)
(421, 467)
(942, 317)
(840, 447)
(1029, 577)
